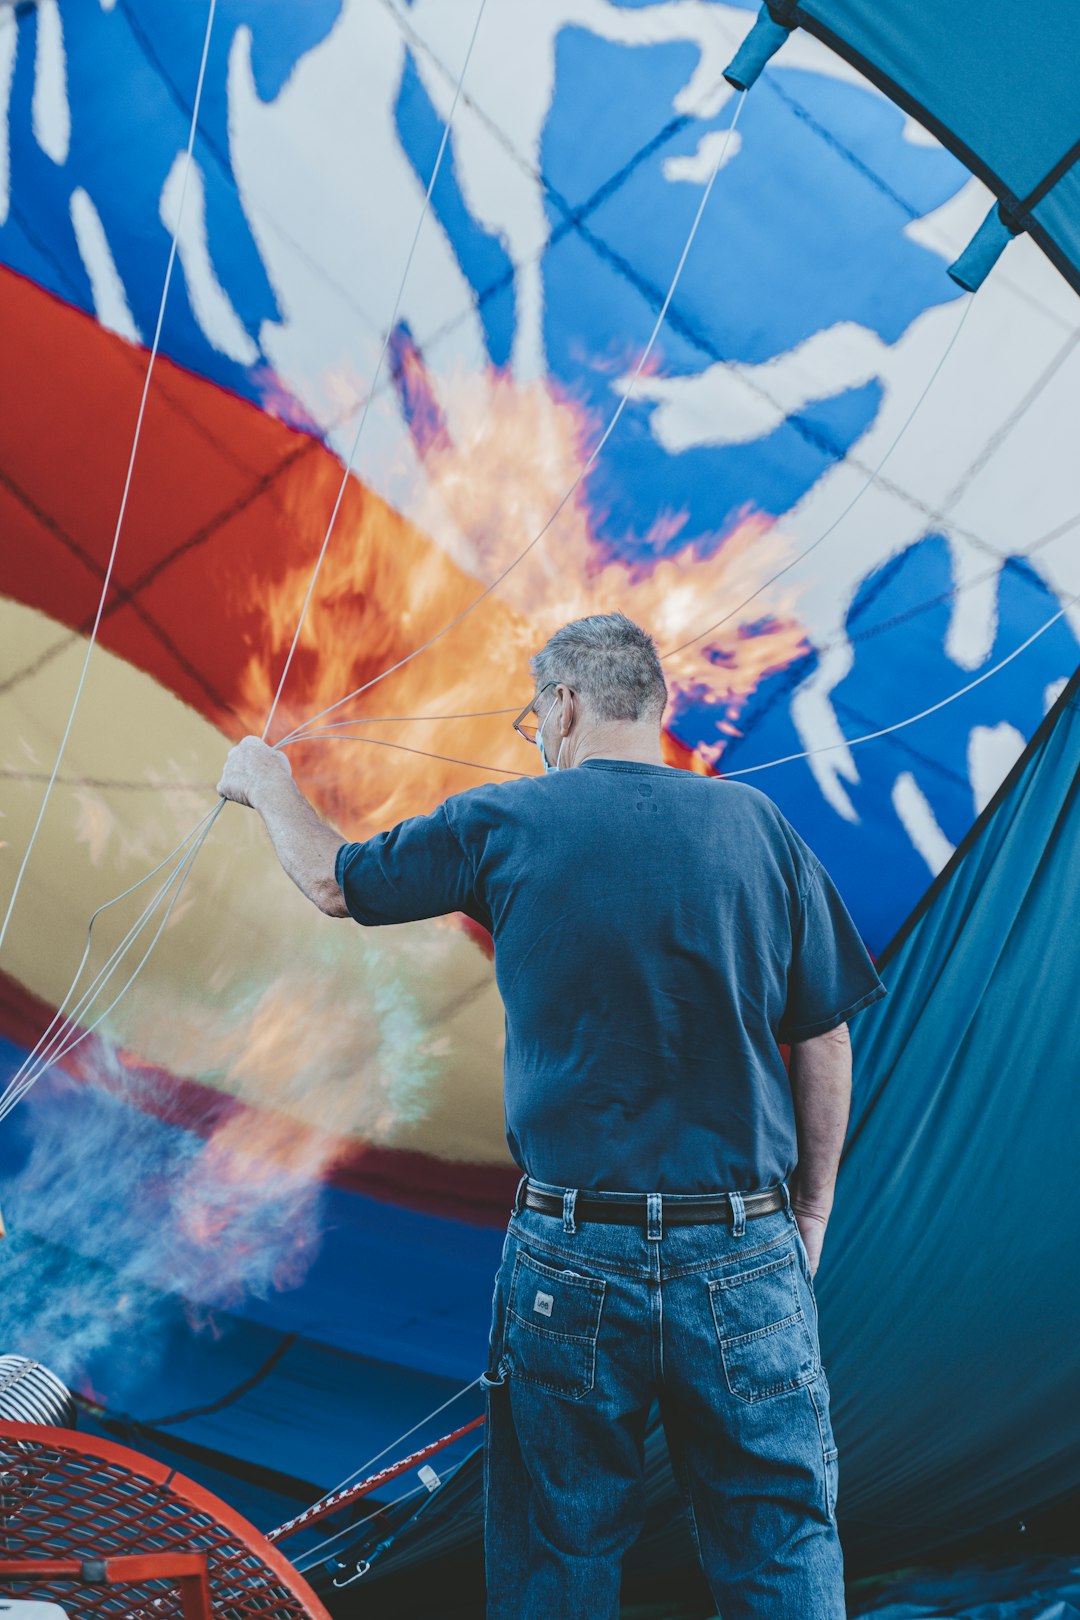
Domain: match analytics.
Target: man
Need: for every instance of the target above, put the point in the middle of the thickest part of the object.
(657, 936)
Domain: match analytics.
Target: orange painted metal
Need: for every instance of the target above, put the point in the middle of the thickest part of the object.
(349, 1493)
(69, 1501)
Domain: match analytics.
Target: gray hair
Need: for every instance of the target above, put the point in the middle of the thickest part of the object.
(611, 661)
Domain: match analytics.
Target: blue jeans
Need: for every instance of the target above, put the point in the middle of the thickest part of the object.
(590, 1322)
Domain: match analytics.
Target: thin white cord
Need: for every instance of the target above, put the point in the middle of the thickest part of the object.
(58, 1016)
(378, 370)
(313, 1555)
(381, 742)
(59, 1052)
(130, 468)
(365, 1468)
(407, 719)
(21, 1082)
(871, 478)
(585, 470)
(885, 731)
(60, 1045)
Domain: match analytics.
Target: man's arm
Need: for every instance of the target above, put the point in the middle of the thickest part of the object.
(820, 1076)
(261, 778)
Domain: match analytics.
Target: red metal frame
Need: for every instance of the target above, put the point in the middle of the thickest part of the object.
(188, 1570)
(94, 1509)
(349, 1493)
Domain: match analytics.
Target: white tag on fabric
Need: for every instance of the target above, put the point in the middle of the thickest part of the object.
(543, 1303)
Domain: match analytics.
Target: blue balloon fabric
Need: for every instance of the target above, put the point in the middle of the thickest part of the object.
(855, 509)
(995, 82)
(1039, 1589)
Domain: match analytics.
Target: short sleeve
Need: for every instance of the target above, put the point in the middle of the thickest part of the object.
(831, 976)
(417, 869)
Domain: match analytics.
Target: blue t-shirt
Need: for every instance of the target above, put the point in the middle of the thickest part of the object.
(657, 934)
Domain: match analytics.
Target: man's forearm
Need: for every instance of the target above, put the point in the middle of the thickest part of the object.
(820, 1076)
(303, 843)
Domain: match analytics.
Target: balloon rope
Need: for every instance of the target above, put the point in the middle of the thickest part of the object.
(627, 395)
(49, 1052)
(336, 735)
(885, 731)
(364, 1468)
(871, 478)
(364, 1487)
(30, 1070)
(58, 1015)
(391, 326)
(306, 1560)
(130, 468)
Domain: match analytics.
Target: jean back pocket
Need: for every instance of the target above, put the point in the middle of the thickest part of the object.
(765, 1341)
(552, 1325)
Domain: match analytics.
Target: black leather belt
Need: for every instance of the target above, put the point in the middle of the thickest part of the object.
(634, 1212)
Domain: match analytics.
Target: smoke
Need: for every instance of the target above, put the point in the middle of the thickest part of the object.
(122, 1228)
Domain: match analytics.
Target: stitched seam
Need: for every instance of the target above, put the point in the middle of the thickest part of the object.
(770, 1391)
(596, 1284)
(457, 840)
(550, 1333)
(828, 1453)
(736, 1339)
(690, 1269)
(741, 1277)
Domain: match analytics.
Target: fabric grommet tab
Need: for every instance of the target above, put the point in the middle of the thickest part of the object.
(738, 1214)
(568, 1202)
(655, 1206)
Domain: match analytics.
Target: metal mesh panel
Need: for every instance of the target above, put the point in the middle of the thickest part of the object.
(67, 1495)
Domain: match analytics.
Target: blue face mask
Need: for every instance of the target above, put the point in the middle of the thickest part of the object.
(540, 741)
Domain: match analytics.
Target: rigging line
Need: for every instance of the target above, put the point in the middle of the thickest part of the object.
(748, 378)
(482, 714)
(310, 1556)
(871, 478)
(50, 1047)
(1011, 421)
(379, 1455)
(123, 596)
(58, 1054)
(380, 742)
(574, 218)
(624, 400)
(130, 468)
(856, 637)
(221, 157)
(89, 933)
(406, 719)
(103, 784)
(25, 1084)
(755, 711)
(378, 371)
(885, 731)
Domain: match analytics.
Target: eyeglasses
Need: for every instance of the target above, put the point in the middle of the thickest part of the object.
(529, 728)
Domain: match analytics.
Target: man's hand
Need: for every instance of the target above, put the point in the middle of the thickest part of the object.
(261, 777)
(820, 1076)
(811, 1222)
(249, 768)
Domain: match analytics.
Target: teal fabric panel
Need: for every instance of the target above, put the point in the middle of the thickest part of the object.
(1057, 217)
(1000, 77)
(947, 1286)
(994, 80)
